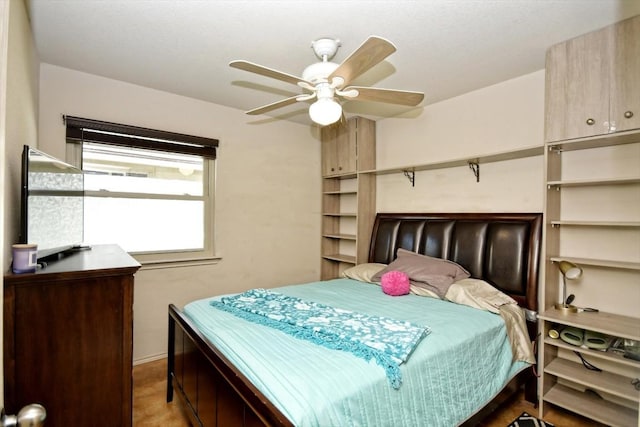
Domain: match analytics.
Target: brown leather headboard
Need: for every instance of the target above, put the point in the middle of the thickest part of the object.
(500, 248)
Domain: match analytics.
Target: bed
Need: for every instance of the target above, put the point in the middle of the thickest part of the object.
(265, 377)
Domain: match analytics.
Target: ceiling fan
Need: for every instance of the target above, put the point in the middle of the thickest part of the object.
(327, 81)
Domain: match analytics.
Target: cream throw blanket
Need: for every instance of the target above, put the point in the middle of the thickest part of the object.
(481, 295)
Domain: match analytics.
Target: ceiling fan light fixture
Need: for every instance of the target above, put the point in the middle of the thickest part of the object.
(325, 111)
(326, 80)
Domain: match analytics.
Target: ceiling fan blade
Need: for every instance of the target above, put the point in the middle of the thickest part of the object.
(273, 106)
(371, 52)
(265, 71)
(390, 96)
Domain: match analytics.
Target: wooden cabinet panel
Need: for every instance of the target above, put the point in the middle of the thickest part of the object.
(71, 336)
(338, 149)
(577, 82)
(592, 85)
(625, 82)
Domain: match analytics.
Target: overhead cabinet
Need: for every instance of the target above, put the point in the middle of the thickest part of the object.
(592, 85)
(339, 149)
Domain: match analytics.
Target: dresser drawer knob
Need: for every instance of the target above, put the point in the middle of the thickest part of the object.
(628, 114)
(590, 122)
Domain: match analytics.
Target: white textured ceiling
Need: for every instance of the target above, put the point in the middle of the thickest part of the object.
(444, 47)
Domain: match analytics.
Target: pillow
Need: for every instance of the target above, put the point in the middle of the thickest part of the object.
(434, 273)
(478, 294)
(363, 272)
(423, 291)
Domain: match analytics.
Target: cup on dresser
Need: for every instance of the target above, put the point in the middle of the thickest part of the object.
(25, 257)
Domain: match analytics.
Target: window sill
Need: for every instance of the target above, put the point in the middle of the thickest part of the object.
(161, 264)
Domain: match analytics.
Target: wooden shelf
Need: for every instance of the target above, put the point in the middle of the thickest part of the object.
(622, 265)
(341, 214)
(593, 182)
(605, 355)
(613, 384)
(625, 224)
(340, 236)
(350, 175)
(606, 323)
(481, 159)
(349, 259)
(608, 140)
(592, 406)
(339, 193)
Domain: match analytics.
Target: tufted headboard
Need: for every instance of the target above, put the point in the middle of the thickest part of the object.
(500, 248)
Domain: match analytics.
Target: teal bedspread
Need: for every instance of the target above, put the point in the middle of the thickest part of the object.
(453, 372)
(387, 341)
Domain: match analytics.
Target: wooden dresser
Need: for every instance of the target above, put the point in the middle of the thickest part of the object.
(68, 338)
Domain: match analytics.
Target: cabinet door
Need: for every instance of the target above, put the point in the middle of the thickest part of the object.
(577, 87)
(625, 84)
(338, 149)
(73, 350)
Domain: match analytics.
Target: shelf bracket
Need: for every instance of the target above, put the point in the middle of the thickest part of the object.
(411, 176)
(475, 167)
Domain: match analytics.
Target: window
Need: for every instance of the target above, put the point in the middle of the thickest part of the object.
(149, 191)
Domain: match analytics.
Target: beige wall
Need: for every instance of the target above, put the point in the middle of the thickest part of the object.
(18, 121)
(499, 118)
(21, 126)
(267, 195)
(264, 180)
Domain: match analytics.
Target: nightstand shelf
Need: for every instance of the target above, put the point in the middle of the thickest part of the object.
(591, 406)
(606, 323)
(603, 355)
(606, 382)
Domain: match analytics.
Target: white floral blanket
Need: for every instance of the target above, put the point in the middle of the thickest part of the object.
(387, 341)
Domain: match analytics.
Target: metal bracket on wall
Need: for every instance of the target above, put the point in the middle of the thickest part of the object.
(555, 149)
(411, 176)
(475, 167)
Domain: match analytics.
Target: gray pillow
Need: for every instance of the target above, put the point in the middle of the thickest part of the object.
(435, 274)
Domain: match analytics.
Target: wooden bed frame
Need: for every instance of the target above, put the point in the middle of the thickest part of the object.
(502, 249)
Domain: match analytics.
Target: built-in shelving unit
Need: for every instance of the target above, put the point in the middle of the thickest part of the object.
(348, 198)
(349, 186)
(592, 219)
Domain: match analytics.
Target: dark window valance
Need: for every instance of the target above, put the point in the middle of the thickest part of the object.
(79, 129)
